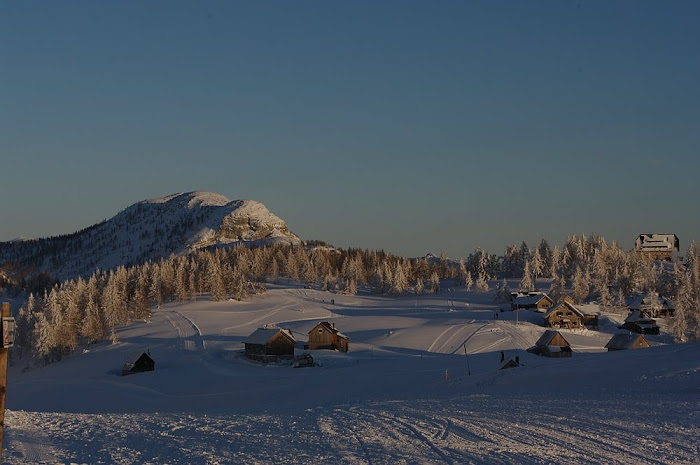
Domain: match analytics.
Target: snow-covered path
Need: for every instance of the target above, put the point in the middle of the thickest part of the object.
(472, 429)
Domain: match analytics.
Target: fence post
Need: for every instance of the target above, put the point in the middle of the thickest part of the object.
(3, 381)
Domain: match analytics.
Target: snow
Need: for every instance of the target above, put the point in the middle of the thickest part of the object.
(401, 395)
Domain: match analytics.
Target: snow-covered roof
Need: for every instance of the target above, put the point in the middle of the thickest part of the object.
(624, 341)
(651, 300)
(263, 335)
(547, 337)
(561, 304)
(636, 317)
(530, 299)
(589, 309)
(657, 242)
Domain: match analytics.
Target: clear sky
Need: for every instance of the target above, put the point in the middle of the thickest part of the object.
(413, 127)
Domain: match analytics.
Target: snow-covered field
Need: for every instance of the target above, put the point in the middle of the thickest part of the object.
(405, 393)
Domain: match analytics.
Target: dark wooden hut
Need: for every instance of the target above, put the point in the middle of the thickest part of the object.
(626, 342)
(551, 344)
(143, 363)
(325, 336)
(269, 344)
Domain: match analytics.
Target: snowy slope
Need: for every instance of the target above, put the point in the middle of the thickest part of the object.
(149, 230)
(403, 394)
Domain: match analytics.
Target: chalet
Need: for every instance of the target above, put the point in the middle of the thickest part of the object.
(536, 301)
(652, 305)
(590, 312)
(626, 342)
(563, 315)
(325, 336)
(551, 344)
(143, 363)
(269, 344)
(658, 246)
(639, 323)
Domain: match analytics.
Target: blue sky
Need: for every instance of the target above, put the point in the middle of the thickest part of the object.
(412, 127)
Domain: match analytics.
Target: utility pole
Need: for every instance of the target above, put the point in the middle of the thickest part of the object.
(3, 377)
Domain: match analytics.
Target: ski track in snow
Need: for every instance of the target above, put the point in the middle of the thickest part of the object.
(186, 330)
(474, 429)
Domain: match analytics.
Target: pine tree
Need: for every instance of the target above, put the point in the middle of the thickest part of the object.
(434, 282)
(527, 283)
(400, 283)
(468, 281)
(502, 292)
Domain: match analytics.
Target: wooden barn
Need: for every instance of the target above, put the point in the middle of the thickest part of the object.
(551, 344)
(535, 301)
(143, 363)
(626, 342)
(563, 315)
(325, 336)
(269, 344)
(637, 322)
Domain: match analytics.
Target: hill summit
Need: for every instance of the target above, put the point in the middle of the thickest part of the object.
(151, 229)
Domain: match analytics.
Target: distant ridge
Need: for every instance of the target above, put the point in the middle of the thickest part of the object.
(148, 230)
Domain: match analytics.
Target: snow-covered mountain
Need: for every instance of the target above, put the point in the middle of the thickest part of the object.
(150, 229)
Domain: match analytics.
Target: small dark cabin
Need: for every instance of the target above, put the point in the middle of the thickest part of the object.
(143, 363)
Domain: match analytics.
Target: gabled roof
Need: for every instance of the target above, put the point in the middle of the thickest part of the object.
(329, 327)
(547, 337)
(263, 335)
(530, 299)
(564, 304)
(636, 317)
(625, 341)
(651, 300)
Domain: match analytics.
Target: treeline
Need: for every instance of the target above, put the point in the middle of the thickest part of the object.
(77, 312)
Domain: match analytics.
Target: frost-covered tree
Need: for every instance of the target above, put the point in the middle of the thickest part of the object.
(581, 285)
(527, 284)
(481, 284)
(434, 282)
(502, 292)
(400, 282)
(468, 281)
(536, 264)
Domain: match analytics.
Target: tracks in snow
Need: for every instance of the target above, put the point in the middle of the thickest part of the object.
(186, 330)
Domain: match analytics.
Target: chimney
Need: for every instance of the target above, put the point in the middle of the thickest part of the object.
(517, 359)
(502, 356)
(333, 325)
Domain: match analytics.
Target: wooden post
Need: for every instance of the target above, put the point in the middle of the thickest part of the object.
(3, 380)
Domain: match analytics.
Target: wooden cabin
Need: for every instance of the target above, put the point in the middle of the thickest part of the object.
(143, 363)
(551, 344)
(325, 336)
(652, 305)
(563, 315)
(639, 323)
(269, 344)
(590, 312)
(536, 301)
(626, 342)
